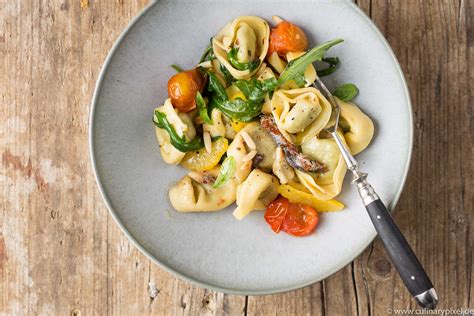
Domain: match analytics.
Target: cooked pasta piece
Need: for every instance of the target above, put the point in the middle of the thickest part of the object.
(183, 125)
(277, 62)
(194, 192)
(263, 143)
(255, 193)
(281, 168)
(360, 127)
(217, 128)
(300, 114)
(327, 185)
(238, 150)
(265, 72)
(249, 36)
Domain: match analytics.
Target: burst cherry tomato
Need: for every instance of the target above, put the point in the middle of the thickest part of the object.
(300, 220)
(276, 212)
(287, 37)
(294, 219)
(182, 89)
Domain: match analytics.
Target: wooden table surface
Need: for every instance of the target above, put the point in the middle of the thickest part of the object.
(60, 251)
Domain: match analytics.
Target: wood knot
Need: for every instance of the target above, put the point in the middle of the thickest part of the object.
(54, 214)
(75, 312)
(209, 302)
(382, 267)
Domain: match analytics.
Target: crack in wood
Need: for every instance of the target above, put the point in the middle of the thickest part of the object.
(354, 284)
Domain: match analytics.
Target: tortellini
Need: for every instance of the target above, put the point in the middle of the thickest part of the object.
(250, 36)
(183, 125)
(361, 127)
(277, 62)
(217, 128)
(281, 168)
(300, 114)
(255, 193)
(264, 144)
(194, 193)
(265, 72)
(238, 150)
(327, 185)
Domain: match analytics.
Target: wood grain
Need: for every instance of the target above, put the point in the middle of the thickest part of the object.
(61, 253)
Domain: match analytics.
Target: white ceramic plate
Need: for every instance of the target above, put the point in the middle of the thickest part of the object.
(214, 250)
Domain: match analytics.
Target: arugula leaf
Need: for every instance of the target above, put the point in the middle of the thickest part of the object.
(216, 87)
(346, 92)
(225, 173)
(208, 54)
(177, 68)
(255, 90)
(246, 110)
(232, 57)
(240, 110)
(333, 64)
(227, 76)
(296, 68)
(178, 142)
(201, 105)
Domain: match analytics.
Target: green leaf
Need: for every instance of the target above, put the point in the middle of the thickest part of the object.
(208, 53)
(240, 110)
(346, 92)
(202, 107)
(227, 76)
(246, 110)
(177, 141)
(177, 68)
(255, 90)
(216, 87)
(225, 173)
(333, 64)
(296, 68)
(232, 57)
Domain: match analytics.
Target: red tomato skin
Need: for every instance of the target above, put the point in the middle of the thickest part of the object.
(276, 212)
(182, 89)
(300, 220)
(287, 37)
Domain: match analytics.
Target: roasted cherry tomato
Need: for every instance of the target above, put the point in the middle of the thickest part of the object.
(287, 37)
(276, 212)
(182, 89)
(300, 220)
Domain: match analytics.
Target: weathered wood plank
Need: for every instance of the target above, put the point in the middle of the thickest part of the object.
(431, 40)
(60, 252)
(306, 301)
(137, 286)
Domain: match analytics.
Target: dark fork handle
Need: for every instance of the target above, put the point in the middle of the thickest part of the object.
(403, 257)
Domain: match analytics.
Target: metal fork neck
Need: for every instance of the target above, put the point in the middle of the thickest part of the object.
(366, 191)
(346, 154)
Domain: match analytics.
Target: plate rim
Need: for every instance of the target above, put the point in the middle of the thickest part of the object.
(182, 276)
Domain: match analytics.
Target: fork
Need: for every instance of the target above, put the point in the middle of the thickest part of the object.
(409, 268)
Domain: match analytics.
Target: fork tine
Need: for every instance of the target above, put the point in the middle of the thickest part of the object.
(336, 111)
